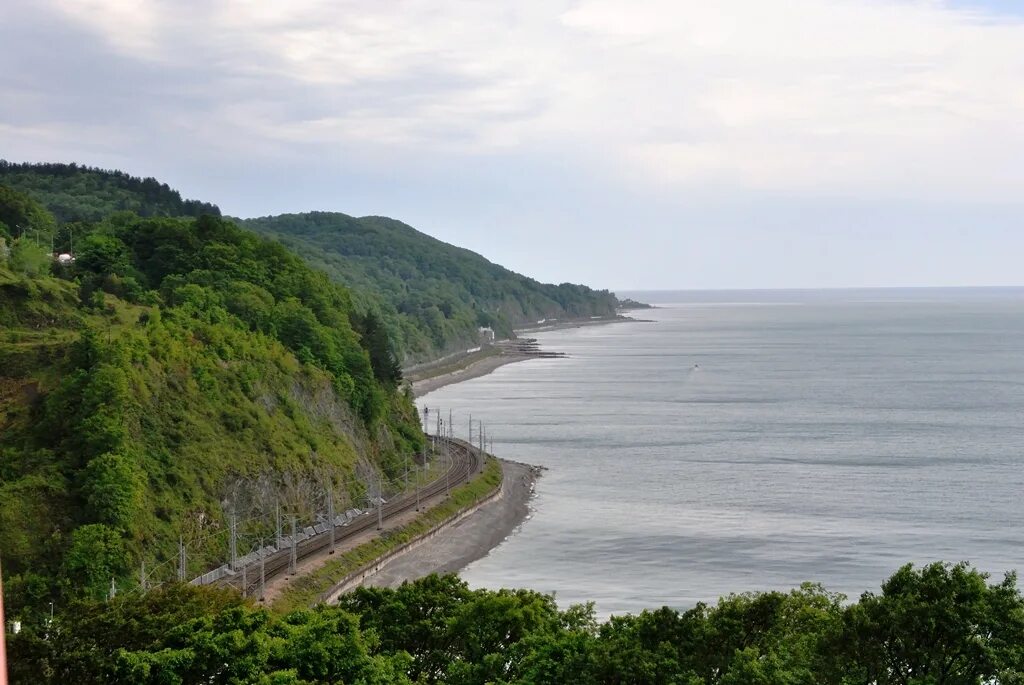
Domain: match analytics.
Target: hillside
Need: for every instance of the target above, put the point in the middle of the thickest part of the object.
(432, 295)
(179, 370)
(79, 193)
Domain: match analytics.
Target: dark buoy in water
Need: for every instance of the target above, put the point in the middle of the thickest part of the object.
(696, 366)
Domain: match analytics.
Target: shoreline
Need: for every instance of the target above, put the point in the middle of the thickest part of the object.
(453, 548)
(474, 369)
(472, 537)
(470, 367)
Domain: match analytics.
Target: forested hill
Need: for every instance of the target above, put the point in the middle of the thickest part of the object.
(80, 193)
(176, 374)
(433, 295)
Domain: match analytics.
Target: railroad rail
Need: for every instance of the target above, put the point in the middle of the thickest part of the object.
(464, 462)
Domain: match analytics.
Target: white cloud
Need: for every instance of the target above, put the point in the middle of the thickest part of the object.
(892, 97)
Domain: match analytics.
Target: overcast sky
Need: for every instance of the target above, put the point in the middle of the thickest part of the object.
(620, 143)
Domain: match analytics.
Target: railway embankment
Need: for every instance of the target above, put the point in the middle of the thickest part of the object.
(322, 575)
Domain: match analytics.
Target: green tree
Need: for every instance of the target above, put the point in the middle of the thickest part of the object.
(20, 214)
(28, 258)
(112, 489)
(102, 255)
(414, 618)
(96, 554)
(325, 645)
(940, 624)
(380, 347)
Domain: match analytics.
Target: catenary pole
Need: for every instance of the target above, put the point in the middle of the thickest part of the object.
(277, 508)
(293, 562)
(263, 570)
(234, 540)
(181, 560)
(330, 514)
(447, 466)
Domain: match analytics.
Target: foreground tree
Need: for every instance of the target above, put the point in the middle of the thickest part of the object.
(940, 624)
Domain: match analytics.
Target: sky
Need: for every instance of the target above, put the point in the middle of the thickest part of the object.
(628, 144)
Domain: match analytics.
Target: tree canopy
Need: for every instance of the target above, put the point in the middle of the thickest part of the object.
(432, 296)
(73, 192)
(939, 624)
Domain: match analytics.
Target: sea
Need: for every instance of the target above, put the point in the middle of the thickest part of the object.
(741, 441)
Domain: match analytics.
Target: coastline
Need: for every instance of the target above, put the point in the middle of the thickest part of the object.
(473, 369)
(472, 537)
(505, 352)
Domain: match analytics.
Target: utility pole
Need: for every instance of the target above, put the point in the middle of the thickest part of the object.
(277, 542)
(447, 466)
(293, 561)
(483, 445)
(440, 440)
(380, 502)
(330, 514)
(263, 571)
(142, 576)
(449, 424)
(470, 438)
(417, 476)
(245, 579)
(181, 560)
(113, 590)
(439, 423)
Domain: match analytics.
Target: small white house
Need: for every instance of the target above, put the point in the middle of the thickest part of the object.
(486, 335)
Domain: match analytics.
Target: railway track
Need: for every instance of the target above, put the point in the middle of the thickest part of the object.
(465, 461)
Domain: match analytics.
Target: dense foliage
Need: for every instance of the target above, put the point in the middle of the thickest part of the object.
(432, 295)
(80, 193)
(935, 625)
(175, 363)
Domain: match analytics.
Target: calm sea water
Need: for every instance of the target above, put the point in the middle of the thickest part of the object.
(756, 440)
